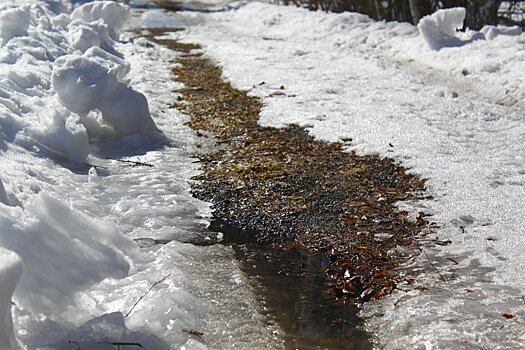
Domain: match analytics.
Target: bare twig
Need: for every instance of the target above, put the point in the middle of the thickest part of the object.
(193, 332)
(453, 260)
(132, 162)
(435, 268)
(118, 344)
(74, 343)
(143, 295)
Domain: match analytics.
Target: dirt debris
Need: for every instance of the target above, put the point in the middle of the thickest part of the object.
(294, 191)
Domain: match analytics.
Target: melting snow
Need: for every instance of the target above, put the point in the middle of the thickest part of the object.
(72, 99)
(448, 105)
(441, 112)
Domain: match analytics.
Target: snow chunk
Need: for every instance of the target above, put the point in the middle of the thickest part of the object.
(7, 197)
(80, 82)
(439, 29)
(94, 80)
(10, 272)
(93, 178)
(112, 13)
(61, 20)
(82, 35)
(63, 251)
(115, 64)
(491, 32)
(62, 133)
(3, 194)
(14, 22)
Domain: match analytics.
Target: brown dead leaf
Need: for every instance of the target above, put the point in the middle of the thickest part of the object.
(380, 275)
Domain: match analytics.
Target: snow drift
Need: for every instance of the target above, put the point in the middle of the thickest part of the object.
(45, 57)
(56, 71)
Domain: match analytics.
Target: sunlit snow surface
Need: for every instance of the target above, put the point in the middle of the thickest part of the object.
(345, 76)
(72, 220)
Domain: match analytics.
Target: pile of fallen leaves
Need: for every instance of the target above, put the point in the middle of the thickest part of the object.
(295, 192)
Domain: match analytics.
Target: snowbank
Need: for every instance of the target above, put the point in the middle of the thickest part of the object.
(58, 72)
(63, 252)
(45, 57)
(69, 95)
(14, 22)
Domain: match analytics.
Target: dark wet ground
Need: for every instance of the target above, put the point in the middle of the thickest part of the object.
(292, 289)
(295, 192)
(315, 227)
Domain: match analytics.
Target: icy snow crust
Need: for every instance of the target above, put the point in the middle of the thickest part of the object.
(71, 94)
(444, 113)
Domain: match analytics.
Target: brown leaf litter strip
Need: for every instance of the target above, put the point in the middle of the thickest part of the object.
(293, 191)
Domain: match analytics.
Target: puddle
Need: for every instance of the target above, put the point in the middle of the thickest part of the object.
(274, 181)
(292, 289)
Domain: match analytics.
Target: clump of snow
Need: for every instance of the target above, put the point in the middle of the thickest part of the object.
(83, 250)
(14, 22)
(113, 14)
(7, 197)
(94, 81)
(10, 272)
(47, 57)
(62, 133)
(492, 32)
(440, 28)
(84, 35)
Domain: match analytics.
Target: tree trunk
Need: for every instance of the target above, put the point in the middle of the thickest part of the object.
(481, 12)
(419, 9)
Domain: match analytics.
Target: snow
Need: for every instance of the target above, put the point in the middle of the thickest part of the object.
(10, 272)
(112, 14)
(94, 80)
(439, 29)
(452, 115)
(14, 22)
(492, 32)
(106, 246)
